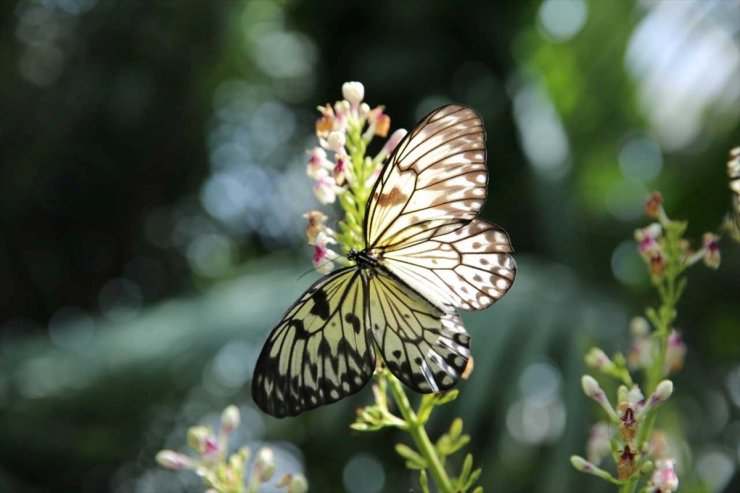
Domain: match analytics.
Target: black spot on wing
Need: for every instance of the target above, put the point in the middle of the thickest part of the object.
(354, 321)
(321, 304)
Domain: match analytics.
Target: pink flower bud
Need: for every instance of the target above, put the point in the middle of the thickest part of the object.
(341, 169)
(664, 477)
(323, 255)
(675, 353)
(394, 140)
(711, 250)
(318, 166)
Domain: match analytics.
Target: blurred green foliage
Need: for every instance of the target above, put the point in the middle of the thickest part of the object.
(152, 184)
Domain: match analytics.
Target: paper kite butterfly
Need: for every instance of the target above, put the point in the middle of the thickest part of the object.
(426, 254)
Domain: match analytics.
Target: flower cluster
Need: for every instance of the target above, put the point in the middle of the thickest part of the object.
(338, 165)
(223, 473)
(660, 239)
(622, 434)
(643, 349)
(657, 350)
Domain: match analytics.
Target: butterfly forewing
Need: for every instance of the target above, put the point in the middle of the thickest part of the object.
(320, 351)
(424, 346)
(434, 180)
(469, 268)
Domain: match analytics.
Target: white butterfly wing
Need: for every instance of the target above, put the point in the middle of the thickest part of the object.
(424, 346)
(469, 268)
(321, 350)
(434, 181)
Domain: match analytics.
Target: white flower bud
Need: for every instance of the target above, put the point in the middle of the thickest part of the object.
(354, 92)
(597, 358)
(591, 386)
(579, 463)
(265, 464)
(230, 419)
(591, 389)
(663, 391)
(325, 189)
(172, 460)
(335, 141)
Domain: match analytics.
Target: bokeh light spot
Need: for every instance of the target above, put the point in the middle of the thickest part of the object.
(363, 474)
(640, 159)
(560, 20)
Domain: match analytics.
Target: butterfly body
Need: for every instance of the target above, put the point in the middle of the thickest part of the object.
(426, 255)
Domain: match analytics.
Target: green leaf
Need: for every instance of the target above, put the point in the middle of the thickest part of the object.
(443, 445)
(473, 479)
(456, 445)
(462, 480)
(413, 459)
(478, 489)
(445, 397)
(456, 429)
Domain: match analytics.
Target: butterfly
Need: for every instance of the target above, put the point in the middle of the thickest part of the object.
(733, 173)
(426, 255)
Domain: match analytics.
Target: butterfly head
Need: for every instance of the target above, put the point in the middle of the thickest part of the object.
(362, 258)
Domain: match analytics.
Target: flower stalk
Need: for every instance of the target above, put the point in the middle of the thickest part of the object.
(657, 350)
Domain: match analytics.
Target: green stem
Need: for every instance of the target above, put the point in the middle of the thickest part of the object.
(419, 434)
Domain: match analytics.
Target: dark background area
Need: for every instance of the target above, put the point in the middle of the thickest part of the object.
(152, 159)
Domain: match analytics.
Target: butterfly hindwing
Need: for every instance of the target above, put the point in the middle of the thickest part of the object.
(424, 346)
(435, 179)
(320, 351)
(469, 268)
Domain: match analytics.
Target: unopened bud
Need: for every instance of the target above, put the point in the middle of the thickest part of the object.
(663, 391)
(597, 359)
(591, 389)
(579, 463)
(230, 419)
(172, 460)
(197, 437)
(264, 464)
(354, 92)
(335, 141)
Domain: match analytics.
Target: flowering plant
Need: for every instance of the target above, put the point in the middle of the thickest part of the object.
(344, 173)
(628, 434)
(224, 473)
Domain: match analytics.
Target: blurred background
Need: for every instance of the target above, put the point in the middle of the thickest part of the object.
(152, 183)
